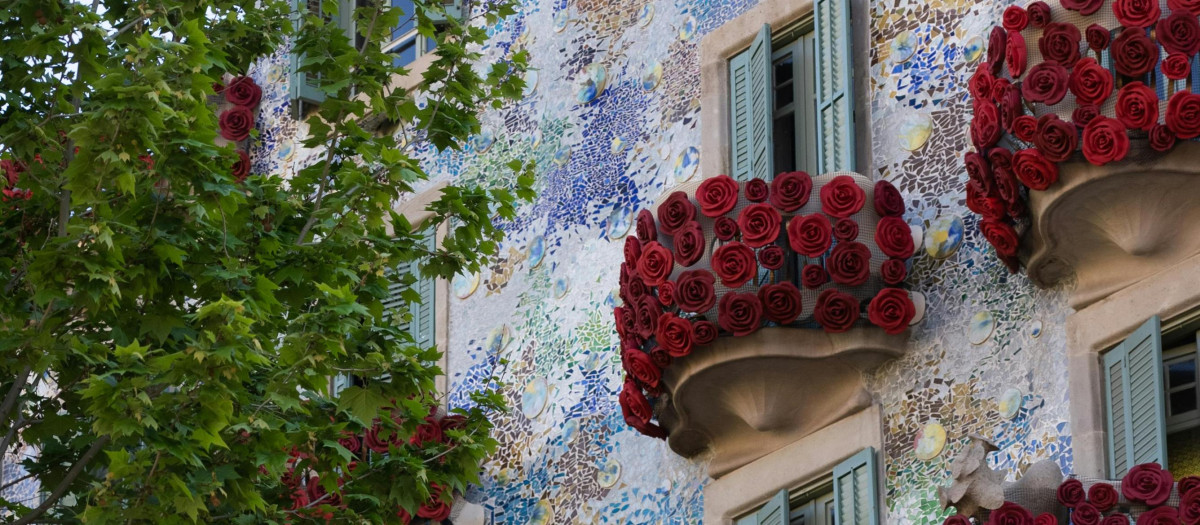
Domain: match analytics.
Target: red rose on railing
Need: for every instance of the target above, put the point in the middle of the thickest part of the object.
(1189, 505)
(1097, 37)
(1160, 516)
(632, 286)
(957, 519)
(985, 204)
(1085, 7)
(1001, 88)
(1176, 66)
(633, 251)
(813, 276)
(717, 196)
(1010, 514)
(725, 228)
(1016, 54)
(640, 366)
(1086, 514)
(1045, 518)
(845, 230)
(842, 197)
(242, 91)
(1090, 82)
(1001, 235)
(893, 271)
(241, 168)
(1179, 33)
(666, 293)
(1002, 176)
(1025, 128)
(661, 357)
(1046, 83)
(1183, 115)
(1060, 43)
(1103, 496)
(980, 83)
(1191, 6)
(1104, 141)
(689, 244)
(704, 332)
(781, 302)
(1115, 519)
(1147, 483)
(891, 309)
(836, 311)
(674, 334)
(1010, 106)
(1188, 483)
(809, 234)
(734, 264)
(757, 190)
(894, 237)
(771, 257)
(978, 173)
(655, 264)
(759, 224)
(790, 190)
(372, 440)
(350, 442)
(1134, 54)
(985, 126)
(645, 314)
(674, 212)
(646, 231)
(1056, 139)
(1015, 18)
(694, 291)
(1034, 170)
(888, 202)
(995, 49)
(1039, 14)
(636, 411)
(236, 123)
(1084, 114)
(428, 432)
(1136, 13)
(1137, 106)
(739, 313)
(849, 263)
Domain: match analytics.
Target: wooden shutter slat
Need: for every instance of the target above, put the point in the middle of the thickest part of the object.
(775, 512)
(739, 116)
(762, 155)
(856, 490)
(1134, 399)
(835, 96)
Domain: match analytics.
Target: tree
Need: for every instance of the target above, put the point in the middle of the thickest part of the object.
(169, 325)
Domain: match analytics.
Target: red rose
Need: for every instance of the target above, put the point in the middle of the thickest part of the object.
(893, 271)
(1137, 106)
(997, 41)
(350, 442)
(632, 286)
(639, 365)
(704, 332)
(836, 312)
(674, 334)
(1103, 496)
(666, 293)
(242, 91)
(888, 202)
(241, 168)
(1085, 7)
(978, 172)
(373, 441)
(1183, 115)
(1189, 506)
(985, 126)
(1010, 514)
(1016, 54)
(1104, 141)
(660, 356)
(771, 257)
(842, 197)
(674, 212)
(1056, 138)
(1086, 514)
(739, 313)
(1045, 518)
(1179, 33)
(1159, 516)
(894, 237)
(1002, 174)
(845, 230)
(403, 515)
(1001, 235)
(1191, 6)
(1034, 170)
(1090, 82)
(1084, 114)
(987, 204)
(1177, 66)
(1060, 43)
(957, 519)
(980, 83)
(1136, 13)
(813, 276)
(1134, 54)
(849, 262)
(1098, 37)
(759, 224)
(1147, 483)
(318, 495)
(656, 263)
(453, 422)
(646, 231)
(1015, 18)
(717, 196)
(636, 411)
(781, 302)
(645, 314)
(236, 123)
(1115, 519)
(1025, 128)
(809, 234)
(1011, 107)
(689, 244)
(725, 228)
(1188, 482)
(757, 190)
(1039, 14)
(790, 190)
(428, 432)
(633, 251)
(1045, 83)
(734, 264)
(891, 309)
(694, 291)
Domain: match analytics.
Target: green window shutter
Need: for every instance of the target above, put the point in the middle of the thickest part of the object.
(835, 94)
(422, 324)
(340, 382)
(454, 8)
(750, 110)
(775, 512)
(1133, 398)
(306, 87)
(856, 490)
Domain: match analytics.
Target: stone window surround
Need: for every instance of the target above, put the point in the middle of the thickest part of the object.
(414, 211)
(1101, 326)
(735, 36)
(797, 465)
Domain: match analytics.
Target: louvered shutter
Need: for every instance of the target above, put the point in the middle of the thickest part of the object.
(856, 490)
(340, 382)
(395, 298)
(775, 512)
(835, 94)
(422, 323)
(306, 87)
(1133, 398)
(750, 107)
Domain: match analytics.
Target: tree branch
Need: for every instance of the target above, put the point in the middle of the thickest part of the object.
(62, 487)
(10, 399)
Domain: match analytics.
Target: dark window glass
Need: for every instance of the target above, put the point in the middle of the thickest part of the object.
(785, 142)
(1183, 401)
(783, 82)
(1181, 373)
(405, 54)
(407, 22)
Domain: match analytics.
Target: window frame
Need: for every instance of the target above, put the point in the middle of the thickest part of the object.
(798, 39)
(1191, 419)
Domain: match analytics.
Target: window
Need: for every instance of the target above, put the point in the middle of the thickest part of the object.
(791, 98)
(1152, 400)
(849, 497)
(405, 42)
(306, 87)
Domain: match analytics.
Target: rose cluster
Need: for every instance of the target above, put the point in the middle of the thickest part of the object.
(241, 96)
(1002, 88)
(12, 175)
(672, 303)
